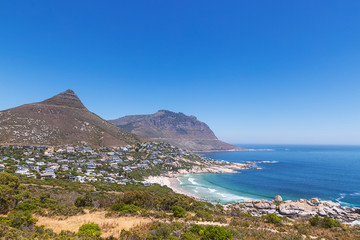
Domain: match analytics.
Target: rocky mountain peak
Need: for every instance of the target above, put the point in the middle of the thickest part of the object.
(60, 120)
(66, 99)
(181, 130)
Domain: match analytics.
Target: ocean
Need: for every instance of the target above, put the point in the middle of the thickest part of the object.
(295, 172)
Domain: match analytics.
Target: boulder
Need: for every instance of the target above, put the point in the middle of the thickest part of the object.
(278, 198)
(339, 211)
(285, 211)
(306, 214)
(262, 205)
(314, 202)
(273, 206)
(356, 210)
(321, 212)
(248, 204)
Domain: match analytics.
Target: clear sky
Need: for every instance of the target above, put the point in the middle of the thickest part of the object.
(254, 71)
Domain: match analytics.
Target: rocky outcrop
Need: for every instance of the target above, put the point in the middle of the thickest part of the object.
(299, 209)
(278, 198)
(183, 131)
(60, 120)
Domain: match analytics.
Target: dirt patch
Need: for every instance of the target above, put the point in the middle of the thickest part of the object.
(110, 226)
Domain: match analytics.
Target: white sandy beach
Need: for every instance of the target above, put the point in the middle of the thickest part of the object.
(171, 182)
(171, 179)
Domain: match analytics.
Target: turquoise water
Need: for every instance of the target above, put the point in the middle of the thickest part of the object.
(325, 172)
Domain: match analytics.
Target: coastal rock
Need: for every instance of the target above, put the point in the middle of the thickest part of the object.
(314, 202)
(278, 198)
(357, 210)
(306, 214)
(321, 212)
(248, 204)
(284, 211)
(262, 205)
(301, 209)
(331, 204)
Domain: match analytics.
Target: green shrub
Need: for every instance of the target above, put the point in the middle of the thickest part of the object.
(9, 185)
(188, 236)
(19, 219)
(125, 208)
(326, 222)
(179, 212)
(272, 218)
(26, 206)
(84, 202)
(204, 215)
(197, 229)
(90, 230)
(216, 233)
(315, 221)
(44, 196)
(162, 231)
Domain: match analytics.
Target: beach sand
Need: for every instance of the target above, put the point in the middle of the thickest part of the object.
(171, 179)
(173, 183)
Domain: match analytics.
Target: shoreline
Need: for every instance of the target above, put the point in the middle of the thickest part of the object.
(292, 209)
(172, 183)
(171, 178)
(236, 150)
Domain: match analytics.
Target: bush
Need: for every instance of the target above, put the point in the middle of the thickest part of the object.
(197, 229)
(44, 196)
(216, 233)
(179, 212)
(326, 222)
(9, 185)
(315, 221)
(272, 218)
(125, 208)
(188, 236)
(204, 215)
(26, 206)
(19, 219)
(84, 202)
(90, 230)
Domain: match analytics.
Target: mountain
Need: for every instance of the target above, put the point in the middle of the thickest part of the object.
(60, 120)
(176, 128)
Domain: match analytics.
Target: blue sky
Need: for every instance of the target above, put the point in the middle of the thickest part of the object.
(255, 71)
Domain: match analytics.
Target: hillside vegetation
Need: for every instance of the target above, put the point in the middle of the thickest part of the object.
(31, 207)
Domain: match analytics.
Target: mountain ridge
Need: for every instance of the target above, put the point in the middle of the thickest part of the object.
(60, 120)
(183, 131)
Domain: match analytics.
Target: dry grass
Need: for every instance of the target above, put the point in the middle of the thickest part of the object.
(110, 226)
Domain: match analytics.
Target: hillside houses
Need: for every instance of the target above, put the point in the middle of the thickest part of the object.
(118, 165)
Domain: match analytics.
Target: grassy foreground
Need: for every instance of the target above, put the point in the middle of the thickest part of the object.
(60, 209)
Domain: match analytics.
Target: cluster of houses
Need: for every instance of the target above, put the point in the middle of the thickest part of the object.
(85, 164)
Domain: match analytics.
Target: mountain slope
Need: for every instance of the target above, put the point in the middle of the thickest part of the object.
(176, 128)
(60, 120)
